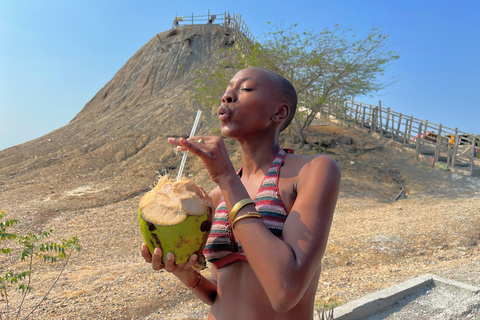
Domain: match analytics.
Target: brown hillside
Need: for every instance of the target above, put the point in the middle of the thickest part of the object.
(86, 179)
(118, 141)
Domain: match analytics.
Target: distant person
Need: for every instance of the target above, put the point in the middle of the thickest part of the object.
(272, 219)
(212, 19)
(227, 20)
(451, 141)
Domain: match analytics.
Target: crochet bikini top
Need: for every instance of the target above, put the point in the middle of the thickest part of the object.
(221, 248)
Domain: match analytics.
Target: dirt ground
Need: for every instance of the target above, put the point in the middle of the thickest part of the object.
(374, 242)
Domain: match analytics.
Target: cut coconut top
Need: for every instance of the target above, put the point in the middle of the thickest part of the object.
(171, 202)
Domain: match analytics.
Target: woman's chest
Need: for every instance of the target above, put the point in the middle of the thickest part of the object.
(276, 190)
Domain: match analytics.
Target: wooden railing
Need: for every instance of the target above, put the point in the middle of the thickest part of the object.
(445, 147)
(231, 20)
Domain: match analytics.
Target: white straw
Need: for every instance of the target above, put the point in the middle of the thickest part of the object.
(185, 153)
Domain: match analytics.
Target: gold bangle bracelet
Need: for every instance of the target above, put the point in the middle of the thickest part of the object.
(198, 283)
(248, 215)
(239, 205)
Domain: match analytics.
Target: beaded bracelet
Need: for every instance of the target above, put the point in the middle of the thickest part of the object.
(248, 215)
(239, 205)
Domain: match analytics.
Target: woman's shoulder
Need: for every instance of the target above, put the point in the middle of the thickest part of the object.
(311, 165)
(315, 159)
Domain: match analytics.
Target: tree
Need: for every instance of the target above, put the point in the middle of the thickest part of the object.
(327, 66)
(17, 275)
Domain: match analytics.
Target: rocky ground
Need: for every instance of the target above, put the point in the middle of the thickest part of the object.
(374, 242)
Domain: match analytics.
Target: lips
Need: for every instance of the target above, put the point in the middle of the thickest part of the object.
(224, 112)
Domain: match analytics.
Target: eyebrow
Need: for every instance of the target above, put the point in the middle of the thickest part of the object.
(242, 80)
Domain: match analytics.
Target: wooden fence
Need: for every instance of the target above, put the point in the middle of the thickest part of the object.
(448, 148)
(231, 20)
(445, 147)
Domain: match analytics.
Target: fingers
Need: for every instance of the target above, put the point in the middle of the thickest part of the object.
(157, 259)
(170, 262)
(192, 261)
(179, 142)
(184, 144)
(195, 145)
(145, 253)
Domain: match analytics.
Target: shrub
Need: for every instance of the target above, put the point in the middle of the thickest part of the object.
(18, 275)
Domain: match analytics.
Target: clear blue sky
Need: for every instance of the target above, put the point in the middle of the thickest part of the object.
(56, 54)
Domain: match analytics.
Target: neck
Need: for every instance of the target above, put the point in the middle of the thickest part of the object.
(257, 154)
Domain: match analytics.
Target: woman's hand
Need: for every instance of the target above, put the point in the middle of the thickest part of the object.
(212, 151)
(185, 272)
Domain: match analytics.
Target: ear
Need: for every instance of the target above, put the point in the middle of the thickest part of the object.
(282, 113)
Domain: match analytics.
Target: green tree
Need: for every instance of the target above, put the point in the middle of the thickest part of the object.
(17, 275)
(325, 67)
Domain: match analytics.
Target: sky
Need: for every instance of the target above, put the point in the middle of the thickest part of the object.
(55, 55)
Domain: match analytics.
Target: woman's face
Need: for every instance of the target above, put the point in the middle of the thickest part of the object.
(248, 104)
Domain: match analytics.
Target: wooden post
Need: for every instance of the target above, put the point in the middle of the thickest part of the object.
(437, 147)
(370, 119)
(405, 134)
(353, 103)
(368, 115)
(328, 112)
(410, 128)
(399, 123)
(455, 148)
(449, 150)
(374, 122)
(472, 159)
(356, 114)
(372, 116)
(417, 142)
(388, 119)
(393, 127)
(363, 116)
(425, 134)
(381, 124)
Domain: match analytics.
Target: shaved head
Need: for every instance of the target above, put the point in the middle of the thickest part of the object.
(287, 94)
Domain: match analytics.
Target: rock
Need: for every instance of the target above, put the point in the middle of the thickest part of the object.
(306, 148)
(327, 143)
(345, 140)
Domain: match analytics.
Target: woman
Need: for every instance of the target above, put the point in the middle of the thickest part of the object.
(268, 267)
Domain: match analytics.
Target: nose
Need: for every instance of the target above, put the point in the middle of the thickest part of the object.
(228, 97)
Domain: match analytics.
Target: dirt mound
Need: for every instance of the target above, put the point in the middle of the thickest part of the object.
(114, 146)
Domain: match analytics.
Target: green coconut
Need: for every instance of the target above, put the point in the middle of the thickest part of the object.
(176, 216)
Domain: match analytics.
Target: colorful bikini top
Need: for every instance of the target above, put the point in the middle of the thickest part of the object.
(221, 248)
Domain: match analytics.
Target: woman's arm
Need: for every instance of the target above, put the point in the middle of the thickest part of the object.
(207, 288)
(284, 267)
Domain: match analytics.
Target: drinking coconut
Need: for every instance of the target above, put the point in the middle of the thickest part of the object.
(176, 216)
